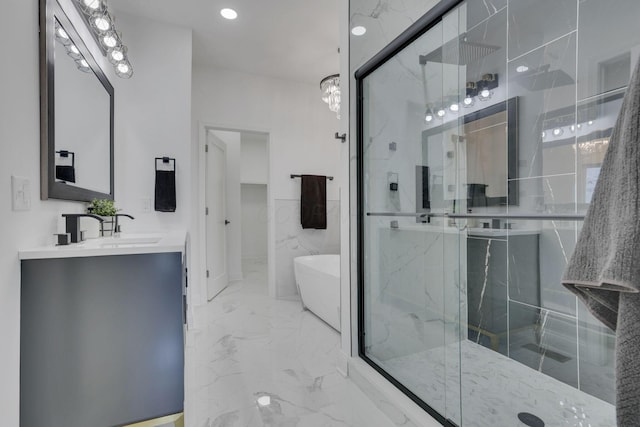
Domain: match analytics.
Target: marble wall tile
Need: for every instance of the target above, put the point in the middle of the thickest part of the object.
(534, 23)
(547, 93)
(557, 242)
(293, 241)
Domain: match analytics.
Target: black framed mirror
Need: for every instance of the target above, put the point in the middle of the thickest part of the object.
(76, 113)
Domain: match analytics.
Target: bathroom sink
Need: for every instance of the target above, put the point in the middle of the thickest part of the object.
(129, 241)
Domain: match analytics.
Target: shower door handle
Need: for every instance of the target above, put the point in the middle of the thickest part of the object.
(227, 222)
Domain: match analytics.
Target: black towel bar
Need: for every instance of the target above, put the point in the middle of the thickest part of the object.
(330, 178)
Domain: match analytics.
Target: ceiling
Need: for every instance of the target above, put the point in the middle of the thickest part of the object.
(290, 39)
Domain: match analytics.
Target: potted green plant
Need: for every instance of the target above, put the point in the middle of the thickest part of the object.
(106, 209)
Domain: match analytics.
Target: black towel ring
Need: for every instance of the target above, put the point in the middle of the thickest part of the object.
(166, 160)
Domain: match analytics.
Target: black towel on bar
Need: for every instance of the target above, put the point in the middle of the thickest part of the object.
(66, 173)
(313, 202)
(165, 200)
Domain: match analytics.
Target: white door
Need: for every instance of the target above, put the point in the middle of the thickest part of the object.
(216, 213)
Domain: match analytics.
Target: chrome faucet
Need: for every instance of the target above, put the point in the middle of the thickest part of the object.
(73, 225)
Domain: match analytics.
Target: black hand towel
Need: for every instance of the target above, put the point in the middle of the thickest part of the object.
(313, 202)
(165, 200)
(66, 173)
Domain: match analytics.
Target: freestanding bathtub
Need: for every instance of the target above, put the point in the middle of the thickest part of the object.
(318, 279)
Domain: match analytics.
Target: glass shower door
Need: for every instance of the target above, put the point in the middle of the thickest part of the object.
(411, 300)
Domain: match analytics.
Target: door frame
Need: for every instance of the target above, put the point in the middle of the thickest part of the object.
(200, 236)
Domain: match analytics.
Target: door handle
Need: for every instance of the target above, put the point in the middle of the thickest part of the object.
(227, 222)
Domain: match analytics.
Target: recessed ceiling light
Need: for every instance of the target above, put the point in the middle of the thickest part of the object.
(358, 31)
(229, 13)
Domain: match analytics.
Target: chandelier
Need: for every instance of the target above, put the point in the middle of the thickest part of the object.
(330, 87)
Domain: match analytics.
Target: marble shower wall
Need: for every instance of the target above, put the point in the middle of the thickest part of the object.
(293, 241)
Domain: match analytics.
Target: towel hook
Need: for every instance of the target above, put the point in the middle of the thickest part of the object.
(342, 137)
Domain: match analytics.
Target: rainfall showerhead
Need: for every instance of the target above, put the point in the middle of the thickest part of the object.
(543, 78)
(459, 51)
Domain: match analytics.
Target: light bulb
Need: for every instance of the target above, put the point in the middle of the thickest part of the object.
(117, 55)
(101, 23)
(454, 107)
(485, 94)
(522, 69)
(62, 33)
(590, 122)
(441, 112)
(123, 68)
(229, 13)
(92, 4)
(74, 49)
(84, 63)
(428, 117)
(544, 134)
(264, 400)
(573, 128)
(468, 101)
(110, 40)
(358, 31)
(557, 132)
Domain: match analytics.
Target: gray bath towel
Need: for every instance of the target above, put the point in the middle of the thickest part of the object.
(604, 271)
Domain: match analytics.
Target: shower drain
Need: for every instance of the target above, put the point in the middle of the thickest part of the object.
(530, 420)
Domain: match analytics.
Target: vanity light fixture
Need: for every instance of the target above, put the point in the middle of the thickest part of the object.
(358, 30)
(101, 23)
(330, 87)
(522, 69)
(229, 13)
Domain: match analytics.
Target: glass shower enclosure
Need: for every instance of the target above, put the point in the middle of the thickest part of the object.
(481, 131)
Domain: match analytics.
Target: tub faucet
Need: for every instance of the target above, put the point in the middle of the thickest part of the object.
(73, 225)
(116, 227)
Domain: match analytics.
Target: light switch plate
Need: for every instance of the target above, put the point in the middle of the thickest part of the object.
(20, 193)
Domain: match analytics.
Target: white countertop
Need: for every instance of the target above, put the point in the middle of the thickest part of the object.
(125, 244)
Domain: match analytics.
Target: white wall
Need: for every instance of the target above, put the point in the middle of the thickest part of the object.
(234, 212)
(153, 113)
(299, 124)
(147, 120)
(254, 221)
(254, 163)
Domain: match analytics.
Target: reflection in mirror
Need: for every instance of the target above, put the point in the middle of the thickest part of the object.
(77, 124)
(487, 151)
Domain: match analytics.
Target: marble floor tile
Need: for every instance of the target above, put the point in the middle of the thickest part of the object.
(256, 361)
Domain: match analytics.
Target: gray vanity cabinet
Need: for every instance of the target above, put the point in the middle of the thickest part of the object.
(101, 341)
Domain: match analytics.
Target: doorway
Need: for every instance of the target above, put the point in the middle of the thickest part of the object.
(238, 227)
